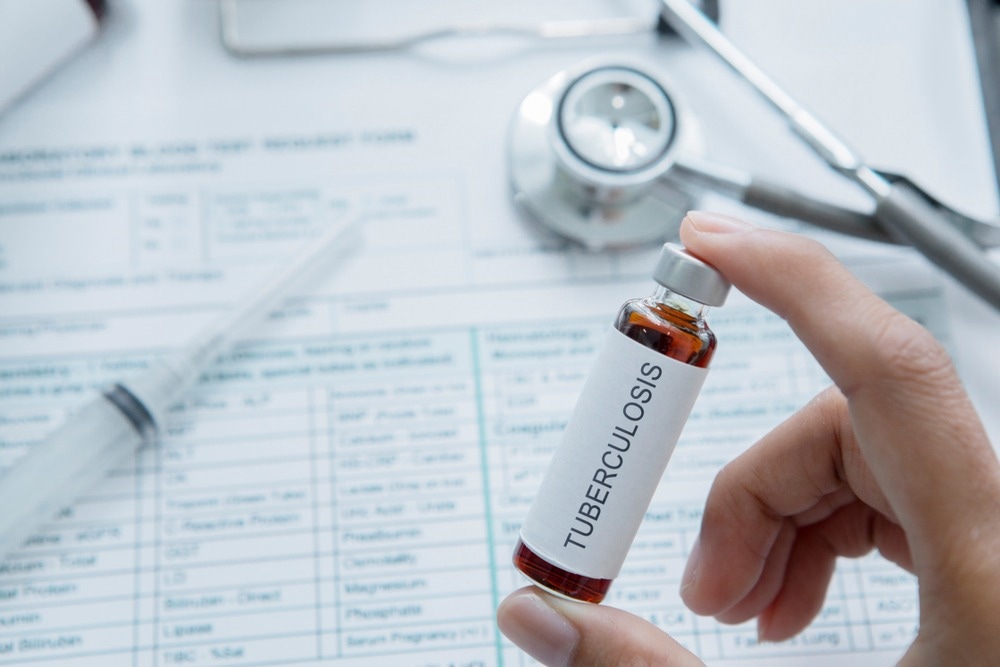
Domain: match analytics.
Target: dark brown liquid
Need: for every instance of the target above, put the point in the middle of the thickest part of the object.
(556, 579)
(671, 333)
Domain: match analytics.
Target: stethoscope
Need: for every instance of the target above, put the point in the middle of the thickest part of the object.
(606, 155)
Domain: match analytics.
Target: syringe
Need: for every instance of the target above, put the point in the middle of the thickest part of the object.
(98, 436)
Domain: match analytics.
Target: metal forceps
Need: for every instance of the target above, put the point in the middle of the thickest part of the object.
(903, 211)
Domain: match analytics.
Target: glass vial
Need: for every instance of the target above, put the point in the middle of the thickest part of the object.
(626, 422)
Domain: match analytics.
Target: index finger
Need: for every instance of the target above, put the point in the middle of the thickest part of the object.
(914, 423)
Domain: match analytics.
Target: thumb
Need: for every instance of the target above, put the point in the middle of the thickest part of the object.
(558, 632)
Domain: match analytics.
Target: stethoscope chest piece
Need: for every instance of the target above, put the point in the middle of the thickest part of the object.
(587, 149)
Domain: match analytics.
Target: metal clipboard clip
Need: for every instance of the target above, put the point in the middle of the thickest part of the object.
(271, 28)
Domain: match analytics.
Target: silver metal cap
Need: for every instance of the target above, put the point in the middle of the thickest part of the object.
(681, 272)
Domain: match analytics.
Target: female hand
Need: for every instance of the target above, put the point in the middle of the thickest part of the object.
(893, 457)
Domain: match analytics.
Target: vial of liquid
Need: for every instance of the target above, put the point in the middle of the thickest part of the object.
(627, 419)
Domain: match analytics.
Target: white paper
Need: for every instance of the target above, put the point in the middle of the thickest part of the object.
(346, 487)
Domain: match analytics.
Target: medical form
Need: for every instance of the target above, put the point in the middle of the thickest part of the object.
(345, 487)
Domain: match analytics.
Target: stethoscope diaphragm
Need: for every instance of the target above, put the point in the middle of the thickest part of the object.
(587, 148)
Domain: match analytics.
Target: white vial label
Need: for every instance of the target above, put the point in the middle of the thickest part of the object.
(612, 455)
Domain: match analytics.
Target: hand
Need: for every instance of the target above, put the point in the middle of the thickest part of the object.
(893, 457)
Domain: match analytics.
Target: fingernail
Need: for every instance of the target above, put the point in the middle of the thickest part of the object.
(691, 569)
(762, 630)
(716, 223)
(538, 629)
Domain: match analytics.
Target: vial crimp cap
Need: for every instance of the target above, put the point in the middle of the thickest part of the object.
(683, 273)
